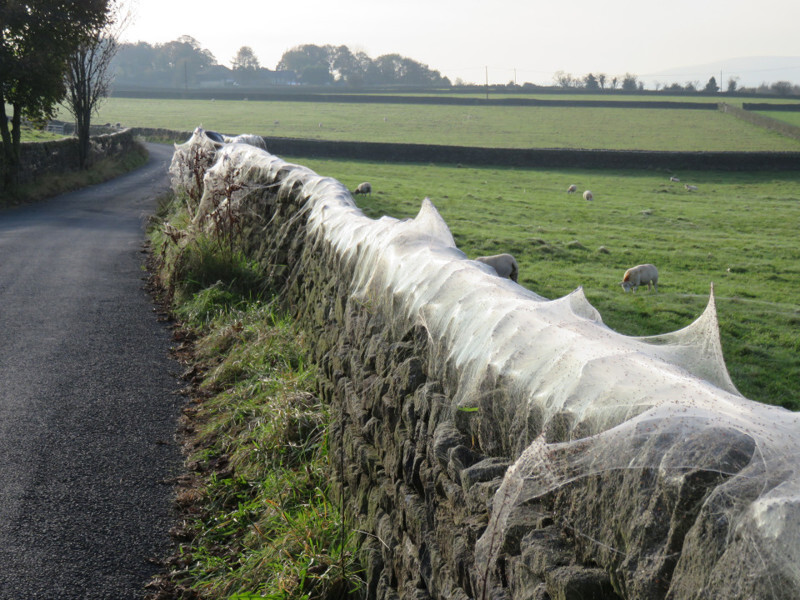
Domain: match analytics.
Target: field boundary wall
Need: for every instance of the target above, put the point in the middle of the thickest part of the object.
(61, 156)
(515, 157)
(775, 125)
(766, 106)
(426, 100)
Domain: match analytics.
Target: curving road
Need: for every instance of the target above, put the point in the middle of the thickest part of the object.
(87, 403)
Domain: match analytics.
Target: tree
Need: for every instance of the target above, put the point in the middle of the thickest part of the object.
(629, 82)
(601, 79)
(733, 83)
(564, 80)
(782, 88)
(89, 75)
(245, 65)
(186, 59)
(351, 68)
(590, 82)
(300, 58)
(711, 86)
(36, 39)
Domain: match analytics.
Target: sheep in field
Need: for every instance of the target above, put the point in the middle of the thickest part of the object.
(690, 188)
(674, 179)
(572, 189)
(504, 264)
(587, 195)
(639, 275)
(363, 188)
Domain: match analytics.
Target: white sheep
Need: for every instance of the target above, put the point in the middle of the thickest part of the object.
(363, 188)
(504, 264)
(639, 275)
(587, 195)
(690, 188)
(674, 179)
(572, 189)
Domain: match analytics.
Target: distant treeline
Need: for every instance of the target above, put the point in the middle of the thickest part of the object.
(184, 64)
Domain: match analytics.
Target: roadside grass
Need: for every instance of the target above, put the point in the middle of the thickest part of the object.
(737, 231)
(485, 126)
(258, 519)
(48, 186)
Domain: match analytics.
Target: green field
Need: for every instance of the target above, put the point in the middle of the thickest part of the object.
(793, 118)
(738, 231)
(512, 127)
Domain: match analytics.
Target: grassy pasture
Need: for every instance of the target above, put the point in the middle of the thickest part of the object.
(738, 231)
(514, 127)
(793, 118)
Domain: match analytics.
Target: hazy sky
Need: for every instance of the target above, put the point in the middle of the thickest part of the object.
(528, 39)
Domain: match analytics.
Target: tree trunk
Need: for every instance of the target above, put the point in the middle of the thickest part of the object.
(11, 142)
(82, 123)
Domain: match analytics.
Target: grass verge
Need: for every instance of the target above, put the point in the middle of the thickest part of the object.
(48, 186)
(255, 516)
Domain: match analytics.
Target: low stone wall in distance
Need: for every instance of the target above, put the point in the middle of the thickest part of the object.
(61, 156)
(513, 157)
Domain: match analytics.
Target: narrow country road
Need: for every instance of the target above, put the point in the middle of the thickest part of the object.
(87, 403)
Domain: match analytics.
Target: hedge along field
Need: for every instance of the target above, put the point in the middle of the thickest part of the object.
(491, 126)
(738, 230)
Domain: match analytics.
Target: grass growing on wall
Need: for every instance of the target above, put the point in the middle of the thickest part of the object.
(258, 520)
(738, 230)
(483, 126)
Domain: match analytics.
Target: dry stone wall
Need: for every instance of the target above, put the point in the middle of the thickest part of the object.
(61, 156)
(490, 443)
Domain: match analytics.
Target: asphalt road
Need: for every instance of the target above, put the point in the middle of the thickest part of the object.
(87, 403)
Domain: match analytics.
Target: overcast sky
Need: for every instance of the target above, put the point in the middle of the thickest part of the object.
(526, 39)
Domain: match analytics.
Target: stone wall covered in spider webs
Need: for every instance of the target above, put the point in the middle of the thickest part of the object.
(492, 443)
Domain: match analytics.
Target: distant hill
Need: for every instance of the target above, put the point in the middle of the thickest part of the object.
(751, 71)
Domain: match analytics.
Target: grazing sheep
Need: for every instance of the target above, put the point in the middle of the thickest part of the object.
(690, 188)
(587, 195)
(363, 188)
(674, 179)
(504, 264)
(572, 189)
(639, 275)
